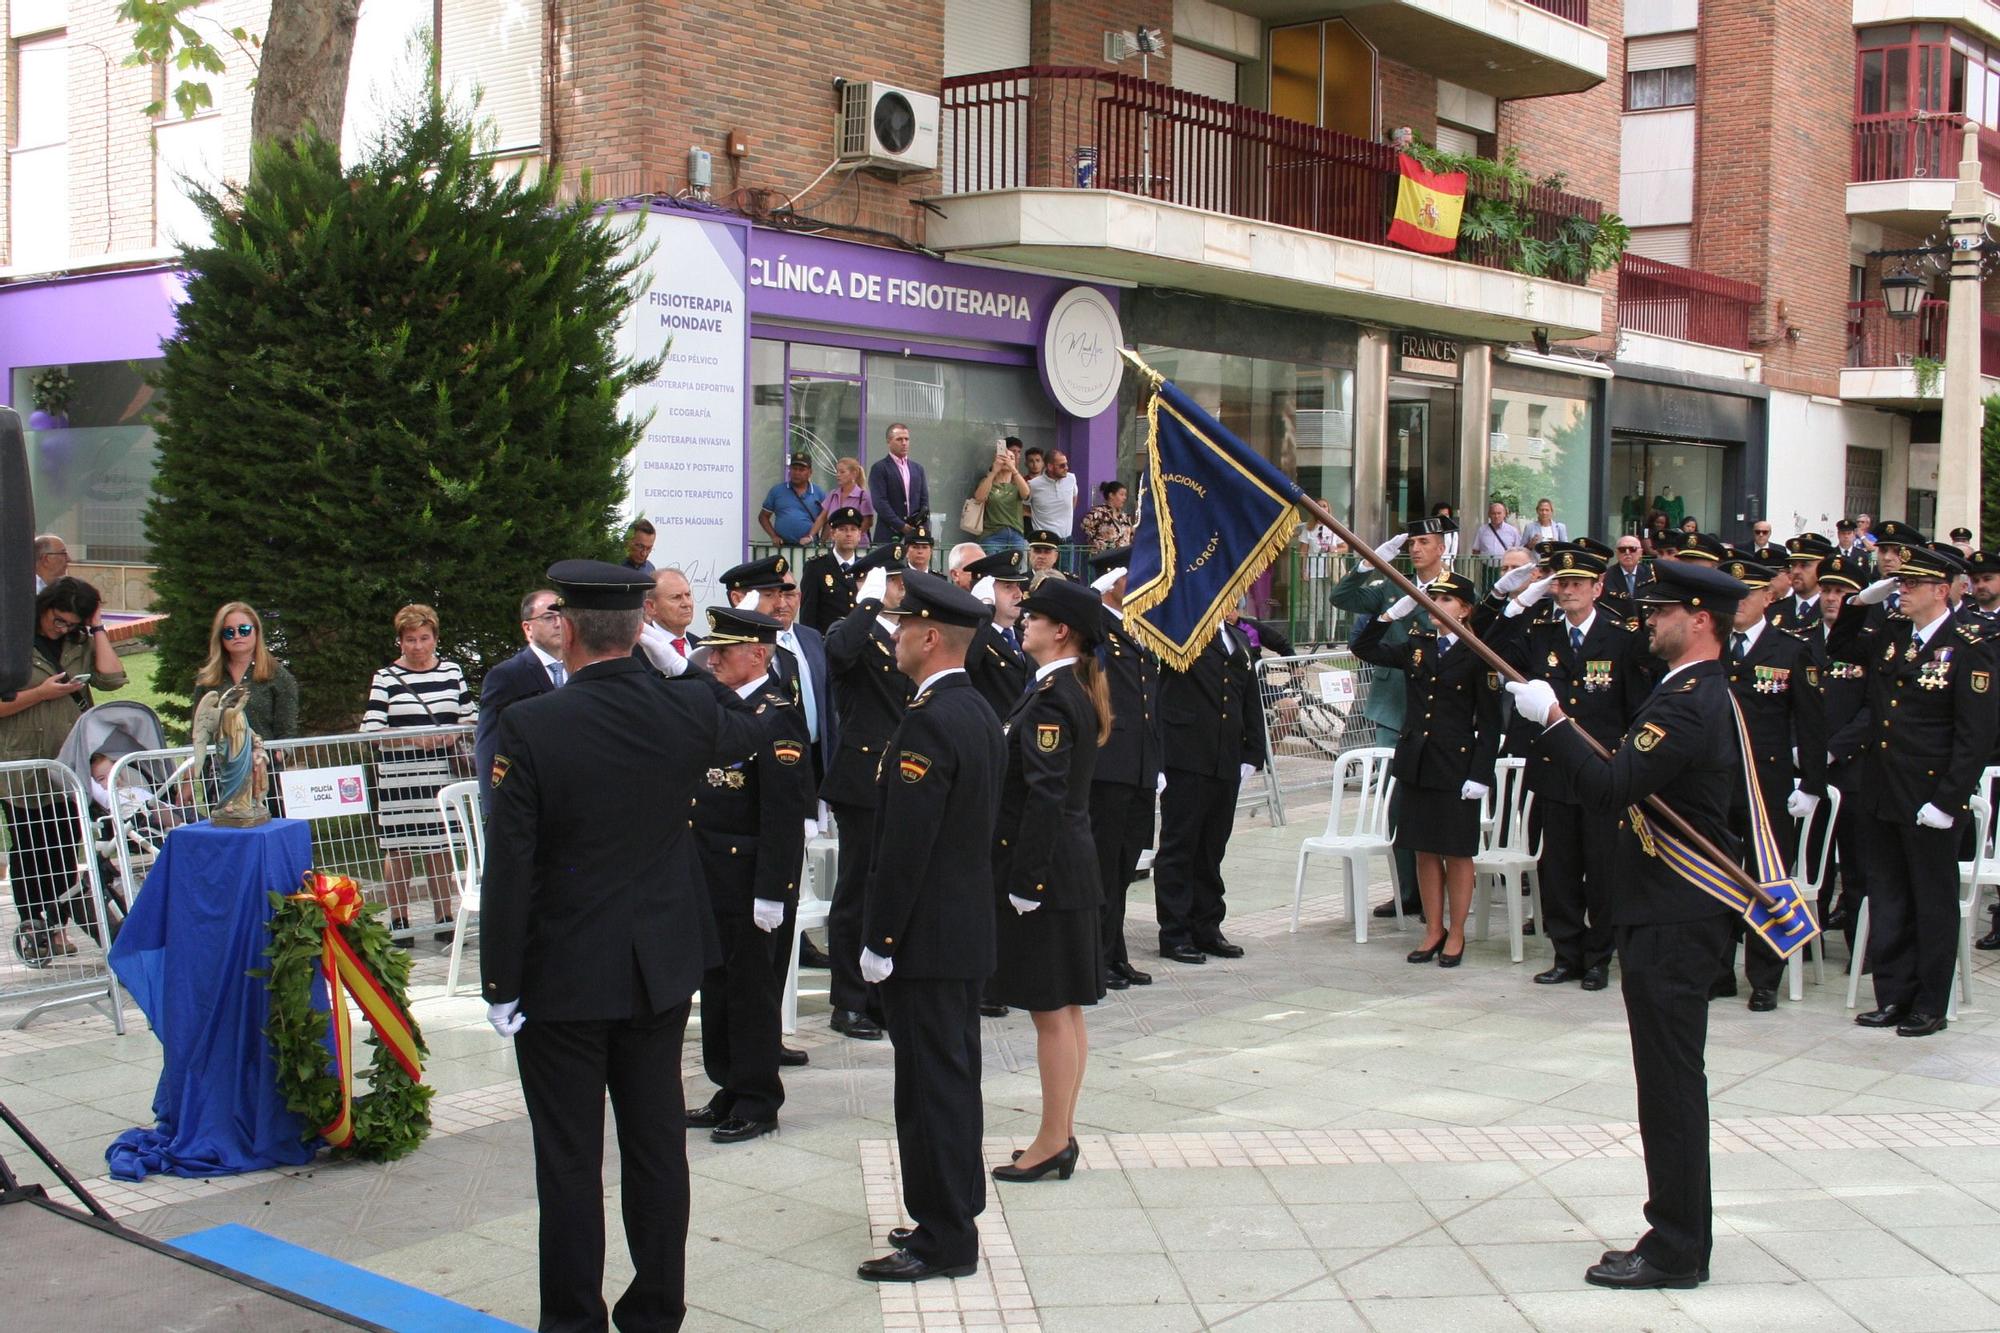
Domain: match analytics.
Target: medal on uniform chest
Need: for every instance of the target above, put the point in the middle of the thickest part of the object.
(1597, 676)
(725, 777)
(1910, 653)
(1416, 657)
(1554, 660)
(1936, 673)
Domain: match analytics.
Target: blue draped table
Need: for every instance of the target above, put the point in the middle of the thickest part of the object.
(195, 933)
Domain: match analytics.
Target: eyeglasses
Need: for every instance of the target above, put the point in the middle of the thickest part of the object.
(63, 624)
(231, 632)
(1624, 549)
(551, 615)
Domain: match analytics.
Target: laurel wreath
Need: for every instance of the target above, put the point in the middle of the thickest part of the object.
(393, 1117)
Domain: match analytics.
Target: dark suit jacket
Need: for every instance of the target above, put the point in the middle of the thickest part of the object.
(870, 695)
(1211, 715)
(826, 591)
(1132, 755)
(521, 676)
(893, 508)
(1044, 851)
(1600, 689)
(998, 670)
(750, 814)
(1454, 721)
(1778, 687)
(592, 905)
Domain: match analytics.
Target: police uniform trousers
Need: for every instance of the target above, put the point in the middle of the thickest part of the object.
(1406, 859)
(843, 919)
(1913, 919)
(1578, 864)
(940, 1121)
(1665, 971)
(566, 1067)
(1121, 821)
(740, 1016)
(1197, 812)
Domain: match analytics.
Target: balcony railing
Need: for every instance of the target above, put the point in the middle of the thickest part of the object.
(1876, 341)
(1918, 145)
(1077, 128)
(1576, 11)
(1674, 302)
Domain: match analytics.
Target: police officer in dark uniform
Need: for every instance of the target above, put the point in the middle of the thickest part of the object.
(1123, 788)
(1933, 700)
(827, 582)
(1600, 671)
(749, 822)
(1894, 540)
(1683, 747)
(1775, 675)
(869, 694)
(998, 668)
(1849, 727)
(1800, 612)
(596, 935)
(929, 929)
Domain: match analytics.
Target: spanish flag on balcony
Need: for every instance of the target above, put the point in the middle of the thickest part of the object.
(1427, 207)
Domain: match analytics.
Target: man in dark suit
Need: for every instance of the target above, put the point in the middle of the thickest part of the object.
(1213, 724)
(898, 490)
(596, 935)
(1848, 730)
(1128, 765)
(929, 931)
(826, 584)
(1683, 747)
(1626, 578)
(536, 669)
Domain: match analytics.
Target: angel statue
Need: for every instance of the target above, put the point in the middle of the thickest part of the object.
(242, 769)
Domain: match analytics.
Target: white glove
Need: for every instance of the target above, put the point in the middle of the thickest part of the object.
(1473, 791)
(1515, 579)
(506, 1018)
(1402, 607)
(983, 590)
(1160, 784)
(1878, 591)
(812, 829)
(1932, 817)
(751, 600)
(874, 585)
(1801, 804)
(1245, 772)
(1536, 591)
(1022, 905)
(767, 915)
(1392, 548)
(875, 968)
(1533, 699)
(1102, 583)
(659, 646)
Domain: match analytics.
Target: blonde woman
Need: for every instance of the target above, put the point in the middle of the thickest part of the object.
(850, 491)
(418, 689)
(237, 653)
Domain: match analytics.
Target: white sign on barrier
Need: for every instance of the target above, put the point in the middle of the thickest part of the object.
(324, 793)
(1336, 687)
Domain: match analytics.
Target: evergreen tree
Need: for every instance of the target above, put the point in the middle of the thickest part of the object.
(1989, 473)
(392, 383)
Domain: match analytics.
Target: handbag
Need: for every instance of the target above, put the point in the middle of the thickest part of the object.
(460, 757)
(972, 516)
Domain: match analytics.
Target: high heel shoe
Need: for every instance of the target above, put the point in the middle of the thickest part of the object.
(1063, 1164)
(1425, 955)
(1450, 959)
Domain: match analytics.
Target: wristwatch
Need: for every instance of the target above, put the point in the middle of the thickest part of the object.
(93, 629)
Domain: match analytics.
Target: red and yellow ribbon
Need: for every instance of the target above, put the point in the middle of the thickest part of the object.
(339, 899)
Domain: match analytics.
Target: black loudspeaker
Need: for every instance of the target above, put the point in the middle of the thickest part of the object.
(17, 555)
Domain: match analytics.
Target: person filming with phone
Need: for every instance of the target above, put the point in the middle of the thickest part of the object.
(1003, 490)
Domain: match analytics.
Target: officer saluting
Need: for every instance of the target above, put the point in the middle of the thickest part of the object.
(1683, 746)
(596, 936)
(929, 928)
(996, 664)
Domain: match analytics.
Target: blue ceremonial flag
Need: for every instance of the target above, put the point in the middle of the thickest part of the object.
(1213, 515)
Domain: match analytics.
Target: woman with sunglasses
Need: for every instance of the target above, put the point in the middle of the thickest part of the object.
(237, 653)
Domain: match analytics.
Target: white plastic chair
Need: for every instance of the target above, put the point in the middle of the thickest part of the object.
(1809, 889)
(1357, 829)
(465, 839)
(1983, 869)
(1505, 857)
(815, 902)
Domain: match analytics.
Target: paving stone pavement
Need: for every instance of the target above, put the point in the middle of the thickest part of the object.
(1316, 1137)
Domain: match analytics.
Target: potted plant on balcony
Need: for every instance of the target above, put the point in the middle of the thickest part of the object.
(1494, 219)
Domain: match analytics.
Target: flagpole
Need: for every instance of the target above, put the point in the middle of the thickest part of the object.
(1673, 820)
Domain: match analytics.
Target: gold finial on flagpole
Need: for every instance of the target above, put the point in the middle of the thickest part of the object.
(1133, 357)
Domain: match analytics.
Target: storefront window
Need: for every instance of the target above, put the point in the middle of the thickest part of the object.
(1540, 445)
(803, 398)
(957, 412)
(1676, 478)
(91, 454)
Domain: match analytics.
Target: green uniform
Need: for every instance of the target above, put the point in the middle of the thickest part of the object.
(1367, 591)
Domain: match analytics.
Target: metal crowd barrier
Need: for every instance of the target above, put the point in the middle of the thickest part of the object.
(340, 786)
(62, 909)
(1313, 714)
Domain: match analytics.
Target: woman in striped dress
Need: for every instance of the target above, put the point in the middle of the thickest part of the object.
(418, 689)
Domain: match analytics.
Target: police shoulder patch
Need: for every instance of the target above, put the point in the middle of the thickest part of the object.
(1649, 736)
(1981, 682)
(787, 752)
(1048, 735)
(913, 766)
(501, 763)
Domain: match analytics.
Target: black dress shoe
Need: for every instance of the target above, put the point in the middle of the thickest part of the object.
(1763, 1000)
(1528, 927)
(1112, 981)
(1920, 1024)
(1990, 940)
(1888, 1016)
(1558, 975)
(1182, 953)
(706, 1117)
(791, 1058)
(1384, 911)
(993, 1011)
(902, 1266)
(1133, 974)
(1630, 1272)
(1596, 978)
(1219, 948)
(1619, 1256)
(1451, 959)
(738, 1130)
(1062, 1165)
(811, 955)
(1425, 955)
(853, 1023)
(1839, 919)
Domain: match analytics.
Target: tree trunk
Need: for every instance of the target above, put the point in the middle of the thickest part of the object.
(302, 69)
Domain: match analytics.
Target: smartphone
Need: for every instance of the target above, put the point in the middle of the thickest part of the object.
(83, 679)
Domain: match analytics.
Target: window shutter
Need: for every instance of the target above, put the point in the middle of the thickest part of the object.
(1669, 245)
(1197, 71)
(496, 46)
(1452, 139)
(980, 35)
(1667, 51)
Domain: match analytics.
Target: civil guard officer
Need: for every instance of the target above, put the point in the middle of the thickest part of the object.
(828, 582)
(1774, 674)
(998, 668)
(1931, 693)
(929, 929)
(597, 934)
(1683, 747)
(1849, 728)
(749, 822)
(1127, 778)
(1597, 664)
(1800, 611)
(870, 694)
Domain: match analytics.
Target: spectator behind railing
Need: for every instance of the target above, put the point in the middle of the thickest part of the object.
(850, 491)
(1106, 525)
(237, 653)
(1003, 490)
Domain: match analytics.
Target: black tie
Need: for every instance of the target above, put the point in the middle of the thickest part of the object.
(1737, 643)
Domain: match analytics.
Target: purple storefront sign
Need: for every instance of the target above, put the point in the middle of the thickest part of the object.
(74, 321)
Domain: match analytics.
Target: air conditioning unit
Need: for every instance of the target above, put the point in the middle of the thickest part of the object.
(888, 129)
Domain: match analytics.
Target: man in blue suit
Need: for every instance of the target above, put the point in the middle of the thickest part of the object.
(536, 669)
(898, 489)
